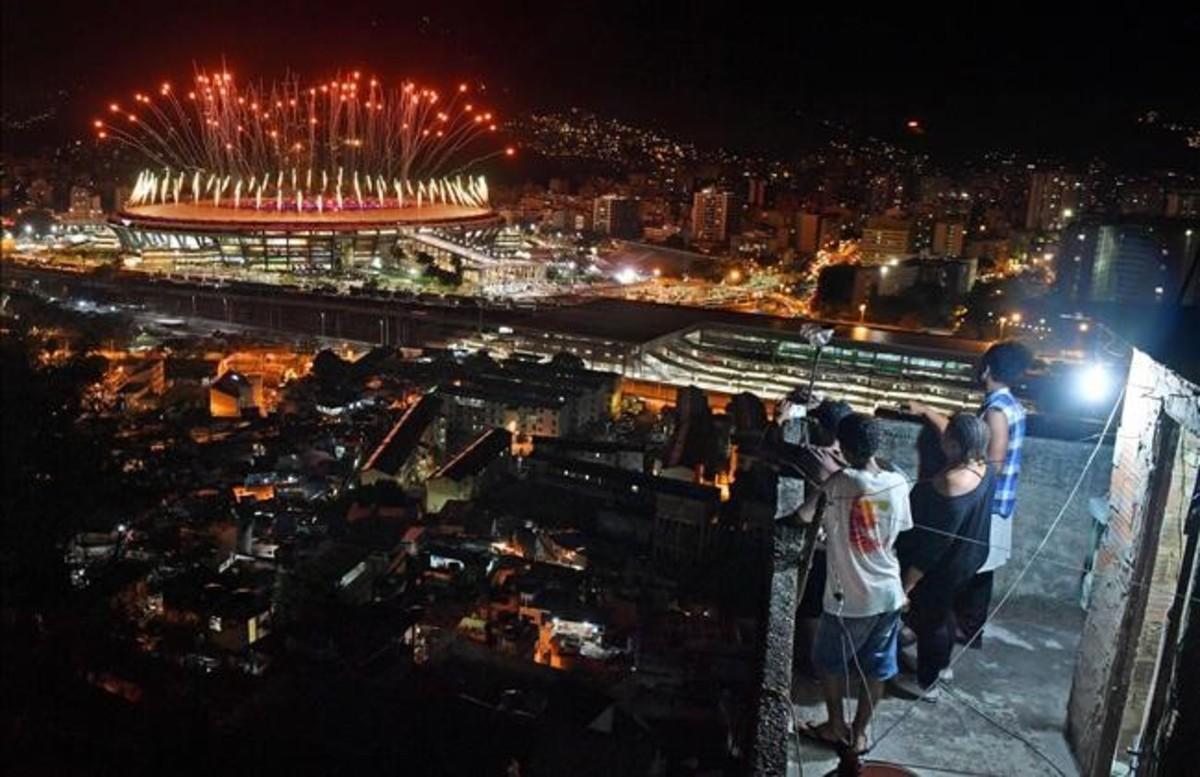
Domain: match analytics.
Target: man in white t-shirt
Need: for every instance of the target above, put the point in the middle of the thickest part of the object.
(866, 508)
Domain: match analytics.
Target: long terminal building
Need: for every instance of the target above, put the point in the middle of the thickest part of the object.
(727, 352)
(654, 347)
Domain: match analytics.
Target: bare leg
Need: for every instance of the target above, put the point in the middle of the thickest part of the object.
(868, 698)
(834, 689)
(806, 637)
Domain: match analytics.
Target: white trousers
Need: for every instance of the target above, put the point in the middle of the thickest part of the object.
(999, 544)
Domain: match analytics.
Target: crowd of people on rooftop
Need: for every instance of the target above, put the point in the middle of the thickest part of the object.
(901, 562)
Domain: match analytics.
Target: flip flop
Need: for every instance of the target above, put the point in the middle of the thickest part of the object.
(817, 733)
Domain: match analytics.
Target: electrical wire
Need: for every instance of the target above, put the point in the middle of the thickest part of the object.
(862, 676)
(962, 699)
(1098, 438)
(909, 481)
(846, 638)
(846, 694)
(1021, 575)
(1160, 590)
(1099, 442)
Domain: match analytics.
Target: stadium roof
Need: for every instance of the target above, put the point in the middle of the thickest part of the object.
(627, 321)
(205, 218)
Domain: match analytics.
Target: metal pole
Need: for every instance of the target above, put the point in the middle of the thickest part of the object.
(812, 381)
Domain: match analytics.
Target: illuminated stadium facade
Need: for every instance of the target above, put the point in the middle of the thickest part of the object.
(184, 235)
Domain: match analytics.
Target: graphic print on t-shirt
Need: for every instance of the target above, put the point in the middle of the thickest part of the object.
(866, 511)
(863, 523)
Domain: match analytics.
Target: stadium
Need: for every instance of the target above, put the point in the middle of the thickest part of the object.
(291, 177)
(184, 234)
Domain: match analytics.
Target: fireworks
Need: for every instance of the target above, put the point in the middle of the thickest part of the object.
(344, 144)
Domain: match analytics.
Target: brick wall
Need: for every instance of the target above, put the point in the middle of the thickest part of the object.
(1160, 589)
(1097, 693)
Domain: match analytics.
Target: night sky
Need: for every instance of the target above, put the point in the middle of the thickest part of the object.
(1054, 80)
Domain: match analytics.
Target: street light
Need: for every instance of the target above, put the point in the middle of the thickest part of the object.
(1003, 322)
(862, 312)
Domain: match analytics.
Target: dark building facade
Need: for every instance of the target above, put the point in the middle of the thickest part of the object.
(1128, 261)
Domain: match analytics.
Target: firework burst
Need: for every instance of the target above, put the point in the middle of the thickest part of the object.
(348, 143)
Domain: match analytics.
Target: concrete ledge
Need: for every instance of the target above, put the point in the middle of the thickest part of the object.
(773, 750)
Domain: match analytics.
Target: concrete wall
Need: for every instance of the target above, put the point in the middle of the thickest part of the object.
(1119, 649)
(1049, 469)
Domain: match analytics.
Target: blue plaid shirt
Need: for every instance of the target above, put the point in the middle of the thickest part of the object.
(1005, 499)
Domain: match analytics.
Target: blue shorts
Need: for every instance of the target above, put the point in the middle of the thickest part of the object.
(872, 639)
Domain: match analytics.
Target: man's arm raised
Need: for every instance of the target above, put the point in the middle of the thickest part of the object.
(927, 413)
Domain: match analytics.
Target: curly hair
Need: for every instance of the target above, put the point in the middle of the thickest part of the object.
(859, 437)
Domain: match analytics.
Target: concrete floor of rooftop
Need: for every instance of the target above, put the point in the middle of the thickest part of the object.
(1020, 679)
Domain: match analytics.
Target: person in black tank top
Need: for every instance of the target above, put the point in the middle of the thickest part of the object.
(949, 543)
